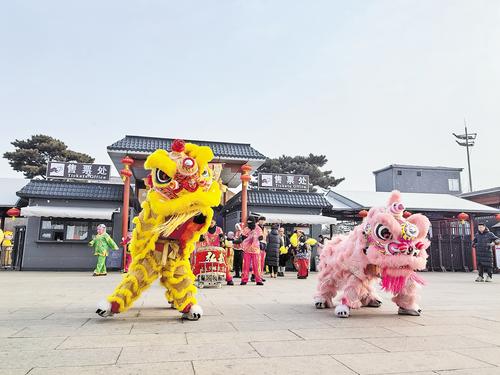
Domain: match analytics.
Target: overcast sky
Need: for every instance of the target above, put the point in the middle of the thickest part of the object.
(367, 83)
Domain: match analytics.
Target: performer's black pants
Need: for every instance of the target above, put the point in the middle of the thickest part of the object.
(482, 269)
(237, 262)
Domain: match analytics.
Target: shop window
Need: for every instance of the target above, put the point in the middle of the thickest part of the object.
(52, 230)
(77, 231)
(67, 230)
(419, 173)
(400, 173)
(453, 184)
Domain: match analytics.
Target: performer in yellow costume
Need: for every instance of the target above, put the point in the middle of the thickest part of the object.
(177, 210)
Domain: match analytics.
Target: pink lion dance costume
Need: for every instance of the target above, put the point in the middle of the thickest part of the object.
(384, 245)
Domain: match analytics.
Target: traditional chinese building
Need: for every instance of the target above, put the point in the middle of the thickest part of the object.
(61, 218)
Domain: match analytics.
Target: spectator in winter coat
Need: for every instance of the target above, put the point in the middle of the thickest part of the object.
(483, 242)
(263, 244)
(274, 242)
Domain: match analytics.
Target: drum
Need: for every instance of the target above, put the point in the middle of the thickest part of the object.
(209, 259)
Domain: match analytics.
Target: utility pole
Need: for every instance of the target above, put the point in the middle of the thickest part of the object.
(466, 140)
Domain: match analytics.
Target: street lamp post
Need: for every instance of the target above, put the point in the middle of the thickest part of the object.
(466, 140)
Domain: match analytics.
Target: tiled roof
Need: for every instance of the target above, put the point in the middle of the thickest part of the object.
(281, 199)
(135, 143)
(71, 190)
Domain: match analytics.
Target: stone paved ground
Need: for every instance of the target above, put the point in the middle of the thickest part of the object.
(48, 326)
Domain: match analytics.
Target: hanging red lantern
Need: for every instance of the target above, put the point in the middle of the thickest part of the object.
(127, 160)
(363, 213)
(407, 214)
(125, 172)
(497, 217)
(462, 216)
(14, 212)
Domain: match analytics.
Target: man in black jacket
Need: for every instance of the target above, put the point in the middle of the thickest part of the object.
(483, 242)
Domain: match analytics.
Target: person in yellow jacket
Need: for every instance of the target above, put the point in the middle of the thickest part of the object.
(6, 247)
(102, 243)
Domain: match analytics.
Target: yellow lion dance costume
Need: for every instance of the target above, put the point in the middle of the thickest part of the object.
(177, 210)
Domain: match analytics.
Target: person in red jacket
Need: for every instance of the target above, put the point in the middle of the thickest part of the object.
(251, 236)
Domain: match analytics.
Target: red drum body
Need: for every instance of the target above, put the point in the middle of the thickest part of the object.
(209, 266)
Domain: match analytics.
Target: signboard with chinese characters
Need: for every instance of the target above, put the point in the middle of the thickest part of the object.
(78, 171)
(294, 182)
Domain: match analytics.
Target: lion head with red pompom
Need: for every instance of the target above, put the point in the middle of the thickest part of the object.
(181, 180)
(396, 242)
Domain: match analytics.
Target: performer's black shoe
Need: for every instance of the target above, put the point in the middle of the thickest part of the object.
(236, 277)
(243, 283)
(260, 283)
(230, 282)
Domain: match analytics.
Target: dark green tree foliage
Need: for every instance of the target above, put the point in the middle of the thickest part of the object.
(309, 165)
(32, 155)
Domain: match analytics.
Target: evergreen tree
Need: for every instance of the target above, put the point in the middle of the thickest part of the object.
(307, 165)
(32, 155)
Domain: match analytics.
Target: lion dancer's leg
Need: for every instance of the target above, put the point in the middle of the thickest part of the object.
(141, 274)
(407, 299)
(326, 289)
(369, 297)
(354, 291)
(178, 278)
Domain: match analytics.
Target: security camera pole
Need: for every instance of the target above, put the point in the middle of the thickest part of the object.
(467, 140)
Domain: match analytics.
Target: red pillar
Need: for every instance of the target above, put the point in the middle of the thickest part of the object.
(126, 173)
(245, 179)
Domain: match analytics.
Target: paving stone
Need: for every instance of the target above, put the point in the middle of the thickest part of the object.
(29, 343)
(493, 338)
(313, 347)
(279, 325)
(339, 333)
(387, 363)
(408, 344)
(118, 341)
(188, 326)
(477, 371)
(273, 366)
(246, 336)
(57, 331)
(438, 330)
(489, 355)
(187, 353)
(381, 320)
(174, 368)
(59, 358)
(7, 331)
